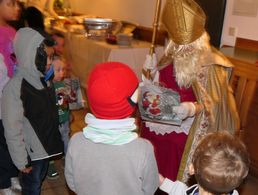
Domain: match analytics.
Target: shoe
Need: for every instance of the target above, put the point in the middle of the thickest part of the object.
(10, 191)
(15, 183)
(7, 191)
(51, 172)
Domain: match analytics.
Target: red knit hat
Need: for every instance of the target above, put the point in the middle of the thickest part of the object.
(110, 86)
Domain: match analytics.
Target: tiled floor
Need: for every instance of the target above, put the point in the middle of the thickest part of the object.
(59, 187)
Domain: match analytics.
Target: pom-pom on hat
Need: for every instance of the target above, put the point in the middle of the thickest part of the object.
(110, 86)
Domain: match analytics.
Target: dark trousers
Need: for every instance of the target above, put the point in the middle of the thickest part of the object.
(7, 168)
(31, 182)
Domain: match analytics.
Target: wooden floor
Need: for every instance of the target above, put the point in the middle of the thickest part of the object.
(59, 187)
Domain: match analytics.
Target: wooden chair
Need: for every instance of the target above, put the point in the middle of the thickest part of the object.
(245, 87)
(243, 81)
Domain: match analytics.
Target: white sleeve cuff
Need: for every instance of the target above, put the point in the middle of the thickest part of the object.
(166, 185)
(192, 109)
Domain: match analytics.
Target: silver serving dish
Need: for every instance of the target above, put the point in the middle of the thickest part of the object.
(98, 23)
(99, 26)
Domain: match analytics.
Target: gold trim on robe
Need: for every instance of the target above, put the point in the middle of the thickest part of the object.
(220, 113)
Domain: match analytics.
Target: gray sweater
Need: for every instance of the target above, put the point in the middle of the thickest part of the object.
(96, 169)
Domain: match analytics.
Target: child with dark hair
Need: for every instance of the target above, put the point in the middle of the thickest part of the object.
(108, 157)
(60, 43)
(34, 18)
(29, 111)
(60, 50)
(220, 164)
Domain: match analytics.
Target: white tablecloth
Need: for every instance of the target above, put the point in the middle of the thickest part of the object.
(84, 54)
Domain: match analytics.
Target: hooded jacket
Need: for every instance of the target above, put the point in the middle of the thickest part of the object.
(29, 110)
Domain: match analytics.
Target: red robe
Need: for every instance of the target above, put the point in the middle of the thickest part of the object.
(169, 147)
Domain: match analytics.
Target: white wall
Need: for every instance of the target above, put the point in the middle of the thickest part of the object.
(142, 13)
(137, 11)
(245, 27)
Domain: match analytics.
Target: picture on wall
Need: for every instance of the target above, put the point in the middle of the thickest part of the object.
(245, 8)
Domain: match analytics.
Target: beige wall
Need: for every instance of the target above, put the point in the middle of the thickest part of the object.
(137, 11)
(142, 13)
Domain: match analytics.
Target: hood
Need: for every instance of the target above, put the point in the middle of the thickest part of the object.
(26, 43)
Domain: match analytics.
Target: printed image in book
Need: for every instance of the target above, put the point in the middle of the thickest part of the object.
(75, 94)
(156, 104)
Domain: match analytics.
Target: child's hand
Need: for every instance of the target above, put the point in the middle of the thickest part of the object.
(161, 179)
(26, 170)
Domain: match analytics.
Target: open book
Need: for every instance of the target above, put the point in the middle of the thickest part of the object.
(75, 94)
(156, 104)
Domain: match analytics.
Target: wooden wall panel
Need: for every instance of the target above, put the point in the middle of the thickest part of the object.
(244, 82)
(251, 133)
(247, 44)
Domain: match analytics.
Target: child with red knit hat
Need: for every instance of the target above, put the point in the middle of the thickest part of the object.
(108, 157)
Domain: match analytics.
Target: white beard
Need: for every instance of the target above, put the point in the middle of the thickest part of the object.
(186, 59)
(185, 70)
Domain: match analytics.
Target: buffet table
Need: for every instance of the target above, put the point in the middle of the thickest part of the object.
(84, 54)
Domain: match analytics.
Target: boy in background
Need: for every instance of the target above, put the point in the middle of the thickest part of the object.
(62, 101)
(29, 112)
(220, 164)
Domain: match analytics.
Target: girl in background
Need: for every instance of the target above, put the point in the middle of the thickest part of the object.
(9, 11)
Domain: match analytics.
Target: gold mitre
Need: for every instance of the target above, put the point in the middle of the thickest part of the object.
(184, 20)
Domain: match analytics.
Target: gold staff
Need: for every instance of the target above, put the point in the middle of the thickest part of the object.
(154, 34)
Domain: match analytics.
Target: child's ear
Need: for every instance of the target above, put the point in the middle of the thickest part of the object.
(191, 169)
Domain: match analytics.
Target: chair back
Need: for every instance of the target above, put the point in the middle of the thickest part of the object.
(244, 84)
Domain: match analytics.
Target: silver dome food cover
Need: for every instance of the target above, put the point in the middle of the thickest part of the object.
(100, 27)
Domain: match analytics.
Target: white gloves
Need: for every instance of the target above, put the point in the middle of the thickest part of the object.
(184, 110)
(150, 63)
